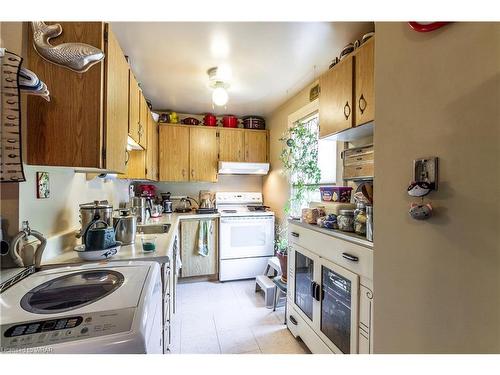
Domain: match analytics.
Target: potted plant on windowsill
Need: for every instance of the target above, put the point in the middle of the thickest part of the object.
(281, 250)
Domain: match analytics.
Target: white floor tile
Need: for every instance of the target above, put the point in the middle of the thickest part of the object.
(229, 317)
(207, 344)
(240, 340)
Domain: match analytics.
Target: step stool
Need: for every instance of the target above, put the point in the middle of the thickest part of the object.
(265, 282)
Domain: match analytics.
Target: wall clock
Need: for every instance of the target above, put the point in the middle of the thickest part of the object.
(424, 27)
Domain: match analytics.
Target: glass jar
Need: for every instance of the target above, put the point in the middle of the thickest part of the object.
(360, 219)
(345, 220)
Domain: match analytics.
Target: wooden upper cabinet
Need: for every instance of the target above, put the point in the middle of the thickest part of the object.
(136, 165)
(134, 100)
(116, 105)
(202, 154)
(68, 130)
(336, 110)
(152, 150)
(231, 145)
(255, 146)
(143, 120)
(174, 153)
(364, 83)
(85, 123)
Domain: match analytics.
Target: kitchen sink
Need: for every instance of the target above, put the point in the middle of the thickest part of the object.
(153, 228)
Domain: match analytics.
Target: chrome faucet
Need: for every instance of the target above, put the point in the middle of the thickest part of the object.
(24, 234)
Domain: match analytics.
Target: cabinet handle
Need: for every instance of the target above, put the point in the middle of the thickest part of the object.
(127, 156)
(293, 320)
(192, 173)
(362, 103)
(350, 257)
(359, 168)
(183, 172)
(295, 234)
(313, 289)
(347, 110)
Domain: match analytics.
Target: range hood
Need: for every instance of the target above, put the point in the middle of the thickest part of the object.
(226, 167)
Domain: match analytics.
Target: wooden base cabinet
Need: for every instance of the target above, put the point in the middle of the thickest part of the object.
(85, 124)
(326, 297)
(194, 264)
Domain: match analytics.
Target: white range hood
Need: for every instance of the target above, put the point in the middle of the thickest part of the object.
(226, 167)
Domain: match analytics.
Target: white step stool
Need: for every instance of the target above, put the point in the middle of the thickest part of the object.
(265, 283)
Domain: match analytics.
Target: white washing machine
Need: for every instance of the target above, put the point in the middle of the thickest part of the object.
(93, 308)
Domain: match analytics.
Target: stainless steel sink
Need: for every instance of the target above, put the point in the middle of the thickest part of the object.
(153, 228)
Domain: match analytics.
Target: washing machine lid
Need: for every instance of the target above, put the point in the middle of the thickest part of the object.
(37, 296)
(71, 291)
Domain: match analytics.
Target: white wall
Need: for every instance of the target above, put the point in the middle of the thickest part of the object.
(437, 282)
(60, 213)
(225, 183)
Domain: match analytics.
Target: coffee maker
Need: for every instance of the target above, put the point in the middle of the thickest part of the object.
(166, 203)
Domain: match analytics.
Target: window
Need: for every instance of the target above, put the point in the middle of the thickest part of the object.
(327, 155)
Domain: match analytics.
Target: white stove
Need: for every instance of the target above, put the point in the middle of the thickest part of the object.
(240, 204)
(246, 235)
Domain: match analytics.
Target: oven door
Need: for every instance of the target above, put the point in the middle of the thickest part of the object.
(246, 236)
(338, 312)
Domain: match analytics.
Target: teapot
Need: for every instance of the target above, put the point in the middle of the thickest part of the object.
(99, 238)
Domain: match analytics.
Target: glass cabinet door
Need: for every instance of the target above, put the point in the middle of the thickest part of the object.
(338, 306)
(304, 274)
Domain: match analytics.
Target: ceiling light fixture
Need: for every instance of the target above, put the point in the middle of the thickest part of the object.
(218, 80)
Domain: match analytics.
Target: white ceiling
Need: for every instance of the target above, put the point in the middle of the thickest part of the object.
(270, 61)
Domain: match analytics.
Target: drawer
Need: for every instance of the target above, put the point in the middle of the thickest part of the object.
(358, 171)
(358, 159)
(353, 257)
(299, 328)
(357, 151)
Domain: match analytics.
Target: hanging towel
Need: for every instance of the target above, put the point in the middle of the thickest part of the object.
(203, 238)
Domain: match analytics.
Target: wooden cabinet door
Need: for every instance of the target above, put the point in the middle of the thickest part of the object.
(255, 146)
(136, 165)
(194, 264)
(133, 114)
(202, 154)
(174, 153)
(152, 150)
(364, 83)
(143, 121)
(67, 131)
(231, 145)
(335, 102)
(116, 105)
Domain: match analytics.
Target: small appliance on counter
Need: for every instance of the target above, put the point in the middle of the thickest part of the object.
(207, 203)
(101, 210)
(125, 226)
(138, 207)
(166, 203)
(184, 205)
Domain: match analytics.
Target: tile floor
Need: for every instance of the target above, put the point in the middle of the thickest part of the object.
(214, 317)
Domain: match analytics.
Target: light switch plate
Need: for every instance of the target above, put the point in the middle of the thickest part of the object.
(426, 170)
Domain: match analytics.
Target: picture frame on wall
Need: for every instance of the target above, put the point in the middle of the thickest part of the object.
(43, 185)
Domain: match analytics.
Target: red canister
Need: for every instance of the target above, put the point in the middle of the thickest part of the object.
(209, 120)
(230, 121)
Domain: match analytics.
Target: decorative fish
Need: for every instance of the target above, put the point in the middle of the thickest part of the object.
(78, 57)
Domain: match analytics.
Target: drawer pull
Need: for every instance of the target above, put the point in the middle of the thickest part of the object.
(362, 103)
(350, 257)
(293, 320)
(295, 234)
(347, 110)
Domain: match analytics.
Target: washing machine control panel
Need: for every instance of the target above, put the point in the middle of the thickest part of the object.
(44, 333)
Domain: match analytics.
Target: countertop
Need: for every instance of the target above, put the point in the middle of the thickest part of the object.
(164, 243)
(346, 236)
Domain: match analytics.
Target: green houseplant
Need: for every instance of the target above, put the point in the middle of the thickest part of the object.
(299, 157)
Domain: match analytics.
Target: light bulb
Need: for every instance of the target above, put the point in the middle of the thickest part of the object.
(219, 96)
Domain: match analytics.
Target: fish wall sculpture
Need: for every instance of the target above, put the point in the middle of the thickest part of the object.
(78, 57)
